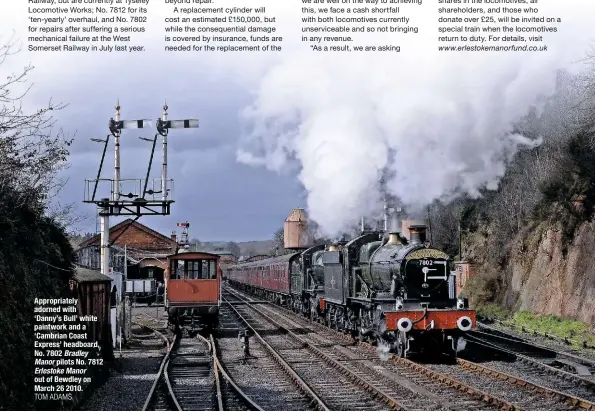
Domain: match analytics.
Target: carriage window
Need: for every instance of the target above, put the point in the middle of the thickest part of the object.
(205, 269)
(194, 269)
(177, 269)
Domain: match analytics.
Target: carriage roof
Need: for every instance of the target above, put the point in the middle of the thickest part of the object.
(266, 262)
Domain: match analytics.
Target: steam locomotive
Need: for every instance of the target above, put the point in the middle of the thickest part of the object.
(382, 287)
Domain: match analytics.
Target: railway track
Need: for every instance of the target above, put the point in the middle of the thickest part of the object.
(560, 359)
(265, 377)
(460, 383)
(330, 385)
(191, 377)
(385, 381)
(570, 375)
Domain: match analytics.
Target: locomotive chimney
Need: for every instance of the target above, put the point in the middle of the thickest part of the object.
(394, 235)
(417, 233)
(332, 248)
(394, 239)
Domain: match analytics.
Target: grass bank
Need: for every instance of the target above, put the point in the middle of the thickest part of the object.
(575, 331)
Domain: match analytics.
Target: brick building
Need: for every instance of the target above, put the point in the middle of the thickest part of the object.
(143, 248)
(465, 269)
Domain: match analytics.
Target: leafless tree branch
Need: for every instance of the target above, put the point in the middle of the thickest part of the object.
(32, 151)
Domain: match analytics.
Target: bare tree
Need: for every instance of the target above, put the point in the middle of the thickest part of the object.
(233, 248)
(278, 247)
(31, 150)
(36, 255)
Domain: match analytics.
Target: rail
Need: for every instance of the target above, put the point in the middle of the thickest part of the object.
(569, 399)
(288, 369)
(352, 375)
(574, 401)
(162, 366)
(217, 368)
(533, 361)
(433, 375)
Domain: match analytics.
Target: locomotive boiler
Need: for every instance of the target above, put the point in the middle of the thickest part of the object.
(380, 286)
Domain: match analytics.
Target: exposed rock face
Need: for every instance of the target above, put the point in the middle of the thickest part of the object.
(543, 280)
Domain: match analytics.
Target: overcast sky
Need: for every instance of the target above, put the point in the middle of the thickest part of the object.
(227, 200)
(222, 199)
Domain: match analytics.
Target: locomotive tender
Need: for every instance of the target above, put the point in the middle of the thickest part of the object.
(380, 286)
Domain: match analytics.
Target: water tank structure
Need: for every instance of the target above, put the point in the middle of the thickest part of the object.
(408, 223)
(295, 230)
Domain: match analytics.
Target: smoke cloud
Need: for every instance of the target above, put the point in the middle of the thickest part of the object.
(440, 123)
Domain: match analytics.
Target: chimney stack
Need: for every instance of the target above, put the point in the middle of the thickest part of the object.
(417, 233)
(174, 237)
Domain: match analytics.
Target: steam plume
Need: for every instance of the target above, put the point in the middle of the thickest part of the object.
(444, 120)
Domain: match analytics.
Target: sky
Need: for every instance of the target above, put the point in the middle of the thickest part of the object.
(297, 128)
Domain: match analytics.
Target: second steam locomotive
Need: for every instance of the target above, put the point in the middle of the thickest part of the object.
(387, 289)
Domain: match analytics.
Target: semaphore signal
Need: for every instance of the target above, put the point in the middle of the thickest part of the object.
(133, 197)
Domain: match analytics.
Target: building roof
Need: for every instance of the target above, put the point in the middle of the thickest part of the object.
(124, 224)
(84, 275)
(297, 215)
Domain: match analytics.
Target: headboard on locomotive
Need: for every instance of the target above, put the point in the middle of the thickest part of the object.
(426, 275)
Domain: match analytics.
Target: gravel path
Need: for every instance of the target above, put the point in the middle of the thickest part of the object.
(133, 371)
(131, 377)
